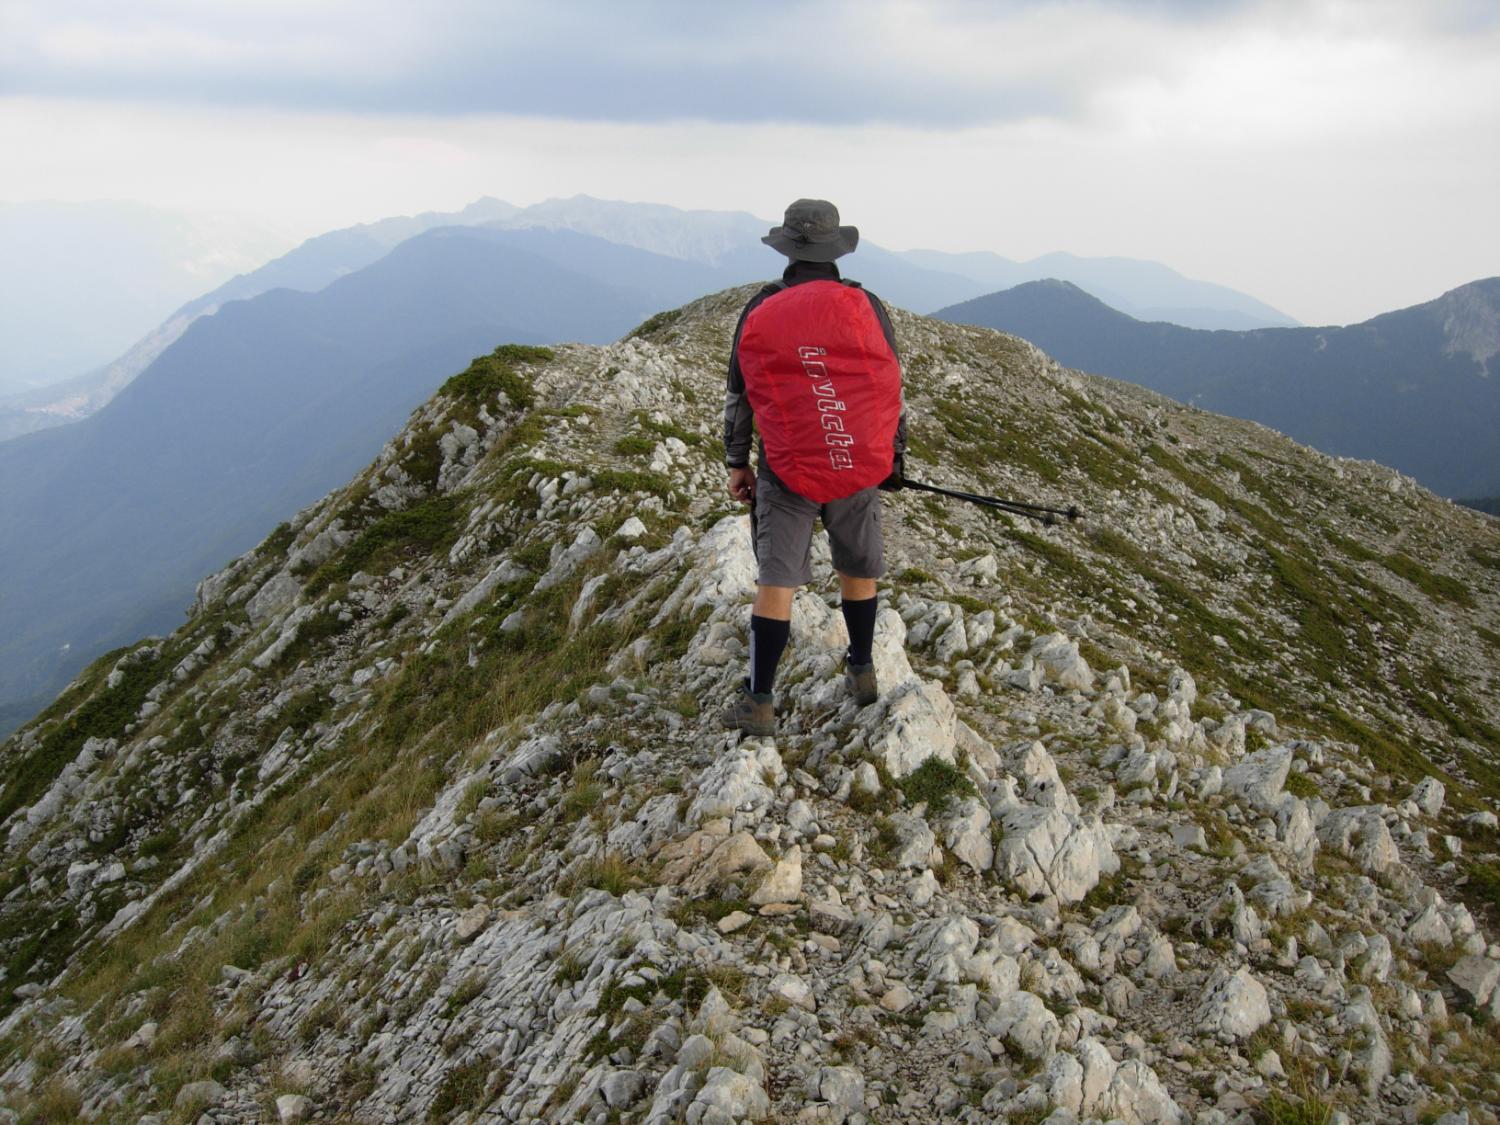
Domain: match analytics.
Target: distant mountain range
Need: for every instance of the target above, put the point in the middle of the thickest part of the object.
(1417, 389)
(259, 409)
(726, 242)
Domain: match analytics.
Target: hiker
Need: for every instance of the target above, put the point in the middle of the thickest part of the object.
(814, 363)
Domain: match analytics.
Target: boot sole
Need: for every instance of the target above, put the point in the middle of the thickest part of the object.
(754, 731)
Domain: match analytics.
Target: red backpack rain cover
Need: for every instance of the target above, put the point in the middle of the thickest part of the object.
(825, 387)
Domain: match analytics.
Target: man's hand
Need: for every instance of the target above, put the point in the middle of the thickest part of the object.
(897, 479)
(742, 484)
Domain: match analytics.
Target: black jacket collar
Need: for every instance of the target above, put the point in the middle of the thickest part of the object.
(799, 271)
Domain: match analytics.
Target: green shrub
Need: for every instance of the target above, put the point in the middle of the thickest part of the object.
(469, 988)
(425, 528)
(617, 480)
(633, 444)
(277, 542)
(462, 1088)
(489, 375)
(304, 709)
(1306, 1110)
(610, 872)
(1301, 785)
(656, 323)
(162, 842)
(936, 782)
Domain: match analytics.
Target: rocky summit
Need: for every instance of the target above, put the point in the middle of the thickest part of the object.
(1183, 812)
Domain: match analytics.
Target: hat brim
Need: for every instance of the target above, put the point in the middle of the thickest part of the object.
(803, 251)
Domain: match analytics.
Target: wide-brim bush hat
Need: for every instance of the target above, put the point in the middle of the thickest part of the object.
(810, 232)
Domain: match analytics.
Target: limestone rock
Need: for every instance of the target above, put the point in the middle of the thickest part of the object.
(622, 1088)
(1026, 1023)
(915, 843)
(829, 917)
(707, 861)
(471, 922)
(1050, 852)
(784, 883)
(1060, 662)
(915, 722)
(280, 591)
(728, 1096)
(565, 560)
(1089, 1082)
(537, 755)
(840, 1085)
(1478, 976)
(1235, 1005)
(966, 833)
(794, 990)
(733, 921)
(1260, 777)
(743, 778)
(1428, 795)
(897, 998)
(1360, 833)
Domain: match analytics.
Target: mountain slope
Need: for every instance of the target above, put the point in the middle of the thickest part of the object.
(1411, 388)
(425, 810)
(253, 413)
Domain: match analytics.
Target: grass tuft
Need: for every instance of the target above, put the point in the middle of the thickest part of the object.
(937, 782)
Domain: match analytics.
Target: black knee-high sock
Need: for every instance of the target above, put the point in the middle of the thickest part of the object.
(859, 618)
(768, 639)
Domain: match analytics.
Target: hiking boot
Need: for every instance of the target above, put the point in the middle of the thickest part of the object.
(861, 678)
(752, 713)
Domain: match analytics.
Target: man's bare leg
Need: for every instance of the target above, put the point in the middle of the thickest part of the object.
(775, 602)
(856, 589)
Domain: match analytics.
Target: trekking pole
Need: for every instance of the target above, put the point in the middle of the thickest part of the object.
(1039, 512)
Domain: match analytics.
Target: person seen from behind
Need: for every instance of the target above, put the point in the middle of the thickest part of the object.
(814, 367)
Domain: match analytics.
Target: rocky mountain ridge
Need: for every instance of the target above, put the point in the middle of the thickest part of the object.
(1186, 813)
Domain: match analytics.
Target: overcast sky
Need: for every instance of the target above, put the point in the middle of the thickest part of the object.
(1336, 159)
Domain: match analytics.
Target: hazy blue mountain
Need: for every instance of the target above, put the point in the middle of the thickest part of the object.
(255, 411)
(327, 257)
(80, 281)
(1416, 389)
(1490, 505)
(309, 267)
(1144, 289)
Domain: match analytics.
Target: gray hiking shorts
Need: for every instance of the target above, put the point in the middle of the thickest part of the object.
(784, 527)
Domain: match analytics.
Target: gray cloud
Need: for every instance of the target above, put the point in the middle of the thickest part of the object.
(941, 64)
